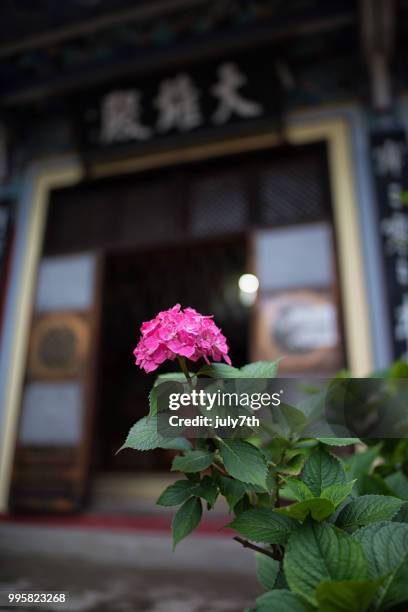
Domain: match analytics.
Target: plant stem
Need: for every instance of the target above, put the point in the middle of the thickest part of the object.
(184, 369)
(274, 554)
(220, 469)
(277, 499)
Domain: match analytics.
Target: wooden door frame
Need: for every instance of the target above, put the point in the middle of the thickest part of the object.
(43, 177)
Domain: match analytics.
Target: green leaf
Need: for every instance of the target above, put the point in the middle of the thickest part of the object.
(396, 451)
(318, 552)
(385, 546)
(177, 493)
(171, 377)
(233, 490)
(322, 470)
(260, 369)
(163, 386)
(281, 600)
(337, 493)
(207, 490)
(192, 461)
(318, 508)
(244, 461)
(186, 519)
(373, 484)
(368, 509)
(267, 570)
(253, 487)
(287, 420)
(271, 483)
(299, 489)
(402, 514)
(293, 466)
(144, 436)
(180, 491)
(398, 483)
(339, 441)
(264, 525)
(399, 369)
(153, 404)
(346, 595)
(360, 463)
(303, 447)
(219, 370)
(242, 506)
(313, 405)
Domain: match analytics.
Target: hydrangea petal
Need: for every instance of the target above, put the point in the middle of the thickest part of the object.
(177, 332)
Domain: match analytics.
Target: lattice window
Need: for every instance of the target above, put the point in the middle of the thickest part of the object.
(291, 191)
(178, 205)
(218, 205)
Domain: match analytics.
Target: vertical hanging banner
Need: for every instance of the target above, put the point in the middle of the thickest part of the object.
(390, 168)
(6, 236)
(4, 230)
(5, 204)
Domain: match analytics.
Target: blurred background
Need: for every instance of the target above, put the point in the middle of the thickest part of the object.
(244, 157)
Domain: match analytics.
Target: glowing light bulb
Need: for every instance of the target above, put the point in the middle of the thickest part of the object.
(248, 283)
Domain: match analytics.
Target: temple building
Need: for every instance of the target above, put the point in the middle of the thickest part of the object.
(244, 157)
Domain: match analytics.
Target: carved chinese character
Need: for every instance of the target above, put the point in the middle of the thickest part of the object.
(395, 228)
(401, 271)
(230, 79)
(121, 118)
(394, 192)
(389, 158)
(178, 104)
(401, 328)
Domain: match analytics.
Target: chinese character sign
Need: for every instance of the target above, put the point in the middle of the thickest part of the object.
(390, 166)
(230, 100)
(121, 117)
(207, 97)
(178, 106)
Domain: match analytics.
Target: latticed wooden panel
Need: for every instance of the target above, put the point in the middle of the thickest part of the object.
(204, 200)
(291, 192)
(218, 204)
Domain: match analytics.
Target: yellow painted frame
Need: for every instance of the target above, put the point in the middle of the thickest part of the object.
(335, 132)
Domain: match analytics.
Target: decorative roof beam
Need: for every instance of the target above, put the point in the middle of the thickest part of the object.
(145, 10)
(183, 53)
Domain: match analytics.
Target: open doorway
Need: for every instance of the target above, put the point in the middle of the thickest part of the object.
(137, 285)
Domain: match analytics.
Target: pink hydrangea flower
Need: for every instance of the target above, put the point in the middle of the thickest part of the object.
(184, 333)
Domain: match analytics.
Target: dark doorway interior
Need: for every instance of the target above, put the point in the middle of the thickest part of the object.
(137, 285)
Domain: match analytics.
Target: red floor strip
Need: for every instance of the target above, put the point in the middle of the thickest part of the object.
(215, 526)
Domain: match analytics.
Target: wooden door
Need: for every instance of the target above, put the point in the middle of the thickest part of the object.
(136, 286)
(53, 449)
